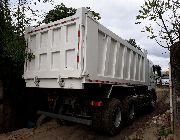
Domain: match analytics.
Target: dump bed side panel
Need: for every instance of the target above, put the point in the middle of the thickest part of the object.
(111, 59)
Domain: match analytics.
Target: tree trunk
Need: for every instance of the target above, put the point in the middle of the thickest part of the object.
(1, 103)
(12, 105)
(175, 73)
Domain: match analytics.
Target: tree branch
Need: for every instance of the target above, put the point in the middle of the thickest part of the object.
(160, 25)
(161, 44)
(160, 16)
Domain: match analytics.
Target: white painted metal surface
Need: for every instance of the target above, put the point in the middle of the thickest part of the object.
(78, 50)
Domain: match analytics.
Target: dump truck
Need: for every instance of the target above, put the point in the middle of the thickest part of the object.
(82, 72)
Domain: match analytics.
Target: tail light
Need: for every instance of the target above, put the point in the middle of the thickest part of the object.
(96, 103)
(50, 99)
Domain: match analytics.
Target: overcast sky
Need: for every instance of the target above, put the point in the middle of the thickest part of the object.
(120, 17)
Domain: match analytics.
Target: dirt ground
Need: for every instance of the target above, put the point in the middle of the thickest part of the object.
(154, 126)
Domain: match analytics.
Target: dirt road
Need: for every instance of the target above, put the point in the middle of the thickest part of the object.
(140, 129)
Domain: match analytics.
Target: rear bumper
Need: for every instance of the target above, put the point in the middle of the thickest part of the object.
(66, 118)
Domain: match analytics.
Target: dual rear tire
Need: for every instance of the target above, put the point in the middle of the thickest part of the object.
(109, 119)
(113, 117)
(130, 110)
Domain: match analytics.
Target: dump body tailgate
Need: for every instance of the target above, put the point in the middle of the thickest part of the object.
(57, 50)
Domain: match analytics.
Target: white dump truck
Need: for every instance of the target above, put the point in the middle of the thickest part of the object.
(85, 73)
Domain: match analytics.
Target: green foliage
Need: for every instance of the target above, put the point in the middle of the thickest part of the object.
(12, 43)
(157, 68)
(163, 17)
(61, 11)
(164, 131)
(133, 43)
(96, 16)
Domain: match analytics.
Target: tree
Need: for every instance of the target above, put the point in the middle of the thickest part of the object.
(12, 55)
(95, 15)
(165, 16)
(13, 21)
(9, 42)
(157, 68)
(61, 11)
(133, 43)
(165, 21)
(13, 44)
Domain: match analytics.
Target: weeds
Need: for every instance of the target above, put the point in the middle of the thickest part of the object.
(164, 131)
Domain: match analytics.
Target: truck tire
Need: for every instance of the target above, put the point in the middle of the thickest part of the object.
(97, 119)
(152, 105)
(112, 117)
(131, 114)
(130, 110)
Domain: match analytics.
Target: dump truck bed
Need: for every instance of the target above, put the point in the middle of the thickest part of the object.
(78, 50)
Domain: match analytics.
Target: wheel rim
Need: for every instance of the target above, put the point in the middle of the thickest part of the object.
(118, 118)
(131, 112)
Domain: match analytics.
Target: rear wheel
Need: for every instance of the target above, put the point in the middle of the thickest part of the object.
(131, 113)
(118, 117)
(152, 105)
(112, 117)
(97, 119)
(130, 110)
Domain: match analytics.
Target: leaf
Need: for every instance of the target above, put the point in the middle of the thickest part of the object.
(153, 36)
(146, 3)
(137, 22)
(152, 18)
(147, 29)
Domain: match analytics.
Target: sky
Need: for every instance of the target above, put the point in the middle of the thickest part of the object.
(120, 16)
